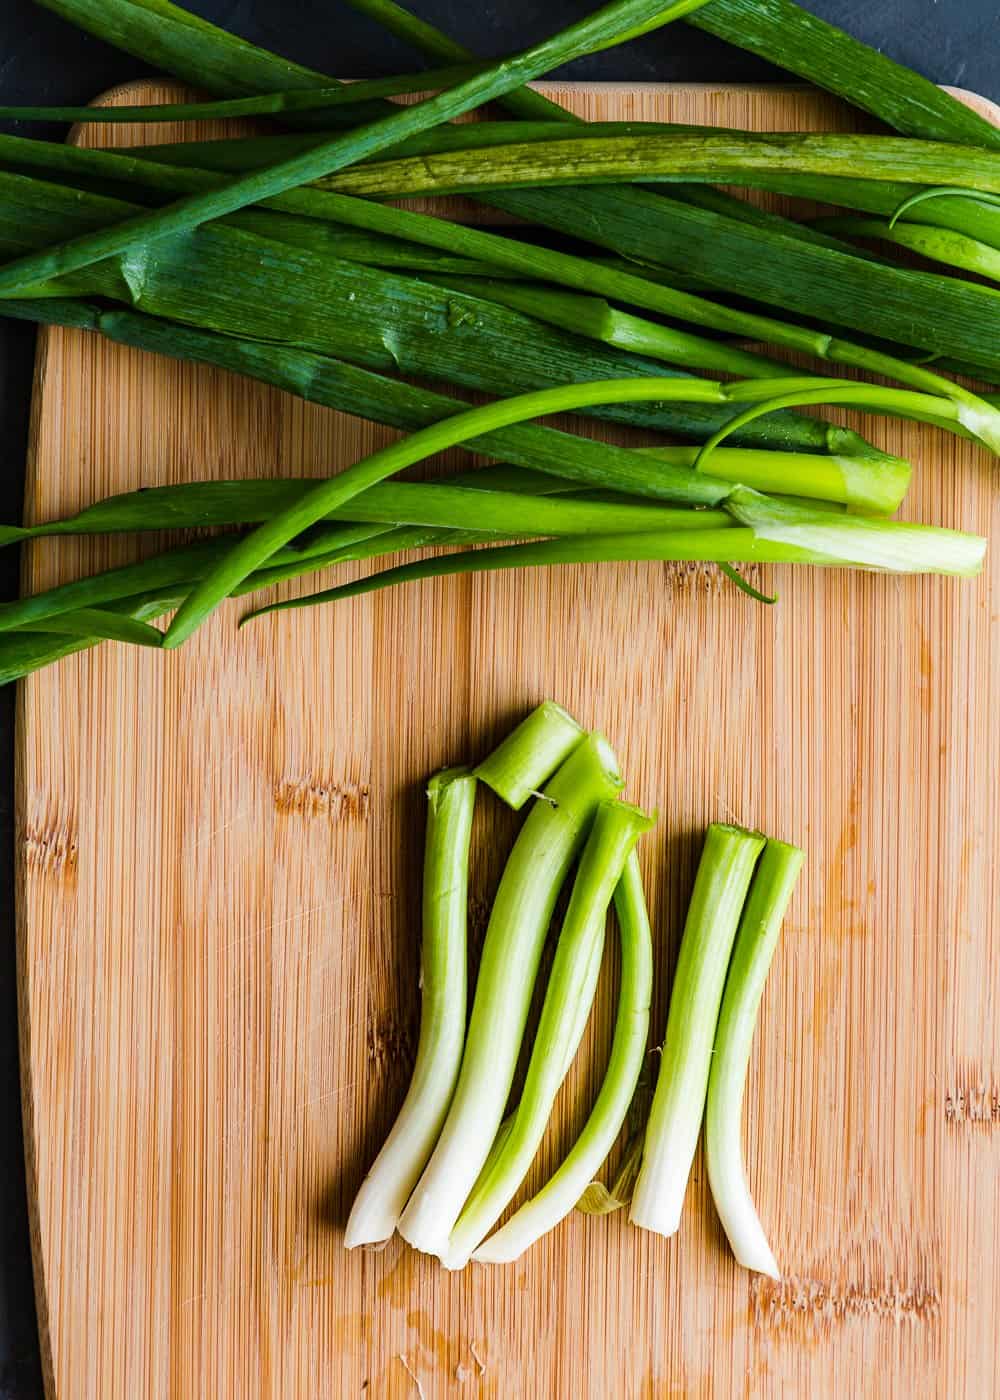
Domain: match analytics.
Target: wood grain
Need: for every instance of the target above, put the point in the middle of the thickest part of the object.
(218, 857)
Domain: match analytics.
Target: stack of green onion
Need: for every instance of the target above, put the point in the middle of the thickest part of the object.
(276, 256)
(459, 1150)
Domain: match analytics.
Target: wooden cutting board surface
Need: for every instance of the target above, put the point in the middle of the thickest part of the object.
(218, 859)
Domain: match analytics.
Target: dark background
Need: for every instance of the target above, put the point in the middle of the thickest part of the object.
(43, 60)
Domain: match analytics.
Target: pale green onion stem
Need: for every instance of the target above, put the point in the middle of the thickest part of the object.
(553, 834)
(756, 941)
(530, 754)
(720, 889)
(563, 1190)
(616, 828)
(387, 1187)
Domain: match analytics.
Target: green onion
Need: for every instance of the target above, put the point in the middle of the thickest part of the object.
(746, 158)
(603, 26)
(561, 1192)
(334, 384)
(387, 1187)
(871, 486)
(943, 314)
(756, 941)
(176, 41)
(797, 40)
(262, 105)
(784, 34)
(592, 316)
(253, 551)
(398, 503)
(95, 622)
(552, 836)
(889, 545)
(617, 826)
(530, 754)
(230, 281)
(720, 888)
(893, 546)
(567, 269)
(943, 245)
(428, 40)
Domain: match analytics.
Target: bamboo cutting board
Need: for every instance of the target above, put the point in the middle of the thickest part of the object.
(218, 857)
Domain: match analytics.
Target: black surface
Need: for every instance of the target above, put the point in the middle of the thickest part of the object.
(43, 60)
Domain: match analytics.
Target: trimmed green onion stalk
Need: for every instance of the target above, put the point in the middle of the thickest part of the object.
(552, 836)
(562, 1191)
(530, 754)
(604, 26)
(756, 941)
(385, 1190)
(568, 997)
(720, 888)
(253, 551)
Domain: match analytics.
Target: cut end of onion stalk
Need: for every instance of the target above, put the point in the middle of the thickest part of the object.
(530, 754)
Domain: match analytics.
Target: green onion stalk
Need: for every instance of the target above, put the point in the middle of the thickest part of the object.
(756, 941)
(568, 997)
(720, 889)
(557, 1198)
(552, 836)
(387, 1187)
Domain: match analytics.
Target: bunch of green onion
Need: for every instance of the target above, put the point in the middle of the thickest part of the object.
(276, 256)
(460, 1150)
